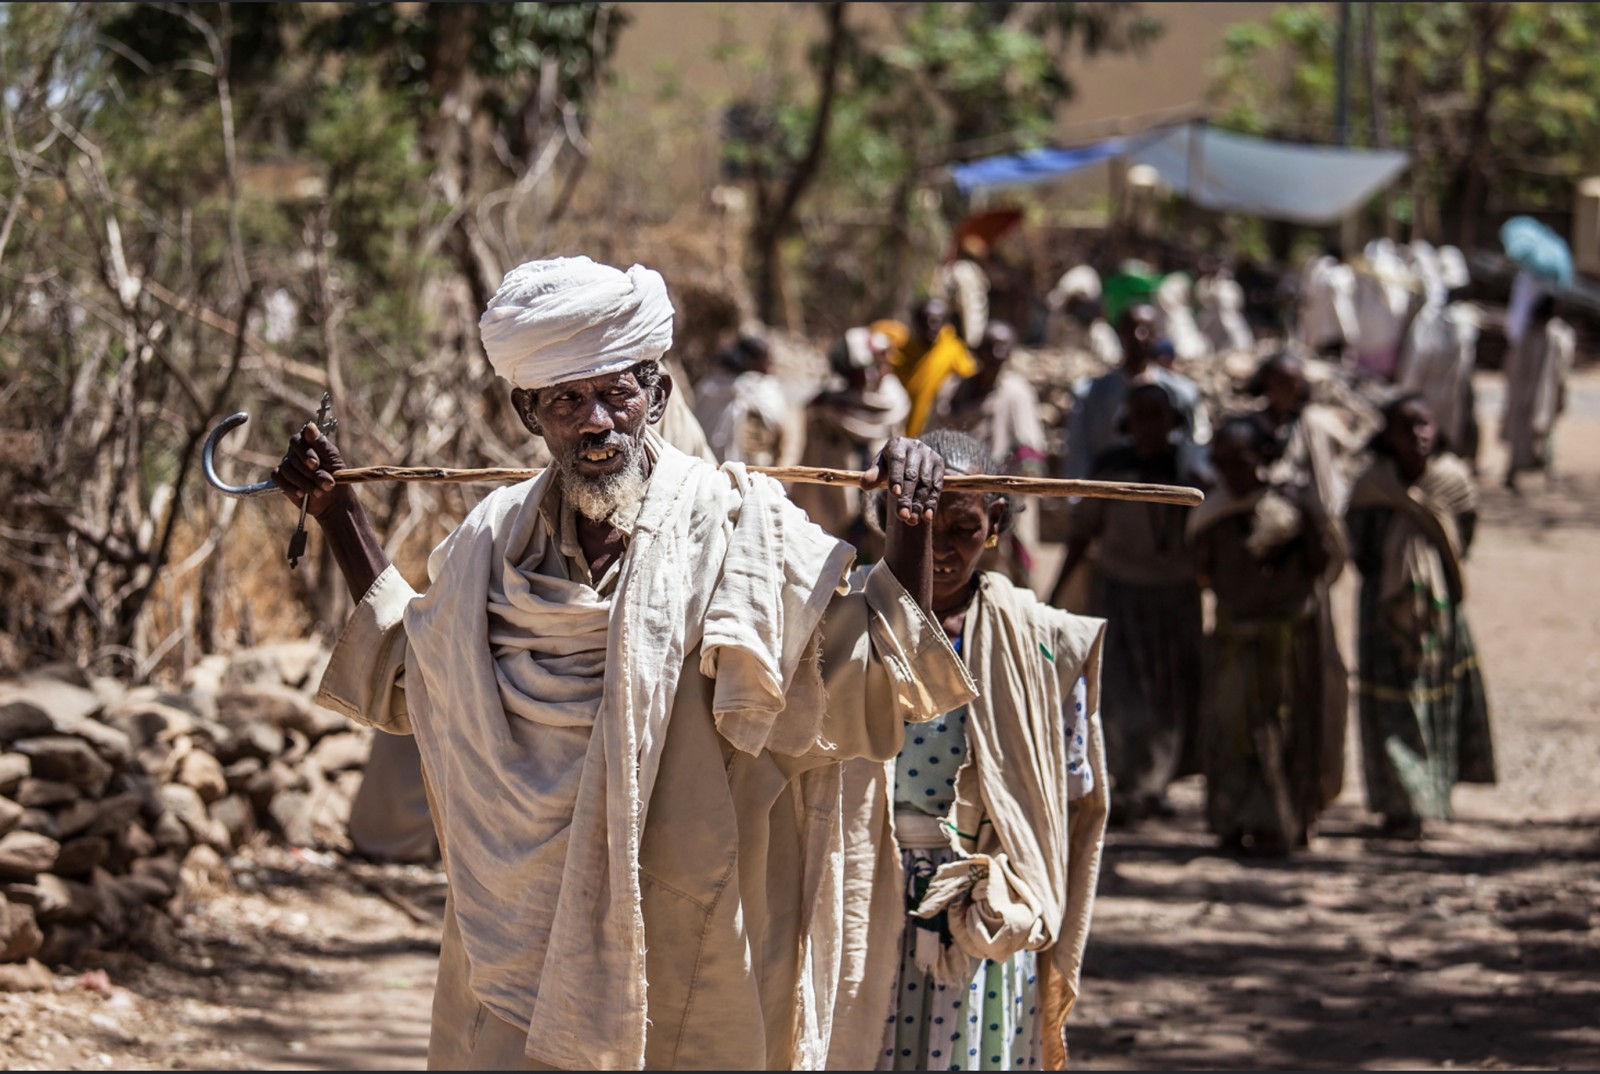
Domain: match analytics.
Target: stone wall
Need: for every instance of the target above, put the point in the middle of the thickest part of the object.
(109, 794)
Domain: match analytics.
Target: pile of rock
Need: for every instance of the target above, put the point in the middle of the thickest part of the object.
(108, 793)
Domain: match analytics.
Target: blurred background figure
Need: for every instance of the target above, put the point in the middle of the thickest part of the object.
(1078, 315)
(1097, 414)
(1424, 716)
(1310, 448)
(1269, 741)
(846, 426)
(1176, 322)
(924, 354)
(1386, 297)
(1536, 390)
(1000, 409)
(1441, 347)
(964, 285)
(1142, 583)
(1327, 305)
(1307, 444)
(1222, 321)
(743, 408)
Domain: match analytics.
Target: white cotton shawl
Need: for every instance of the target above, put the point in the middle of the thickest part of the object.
(567, 318)
(545, 720)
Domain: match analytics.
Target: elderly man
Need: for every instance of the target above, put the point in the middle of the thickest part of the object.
(632, 681)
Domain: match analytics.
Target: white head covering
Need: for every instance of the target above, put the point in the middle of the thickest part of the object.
(567, 318)
(1081, 280)
(1453, 267)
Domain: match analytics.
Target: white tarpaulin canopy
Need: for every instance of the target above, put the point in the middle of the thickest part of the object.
(1304, 184)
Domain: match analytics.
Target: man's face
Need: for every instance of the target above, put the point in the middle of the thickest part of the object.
(594, 427)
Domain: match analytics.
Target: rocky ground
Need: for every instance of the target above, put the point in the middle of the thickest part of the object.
(1475, 948)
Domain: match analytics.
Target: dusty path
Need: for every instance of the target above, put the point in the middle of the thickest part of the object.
(1475, 949)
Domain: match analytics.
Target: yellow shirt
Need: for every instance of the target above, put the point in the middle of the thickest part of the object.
(924, 373)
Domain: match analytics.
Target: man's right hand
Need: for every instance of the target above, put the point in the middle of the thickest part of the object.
(308, 468)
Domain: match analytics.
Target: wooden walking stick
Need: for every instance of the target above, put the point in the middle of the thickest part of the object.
(1177, 495)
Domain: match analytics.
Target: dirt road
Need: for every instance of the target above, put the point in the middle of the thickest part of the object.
(1475, 949)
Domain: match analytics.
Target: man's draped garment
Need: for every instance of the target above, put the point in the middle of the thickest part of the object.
(636, 778)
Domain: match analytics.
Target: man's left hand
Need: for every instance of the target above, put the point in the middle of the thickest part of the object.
(914, 474)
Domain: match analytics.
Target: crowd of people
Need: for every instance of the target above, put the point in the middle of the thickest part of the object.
(730, 774)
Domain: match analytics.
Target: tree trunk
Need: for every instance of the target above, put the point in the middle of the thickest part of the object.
(774, 218)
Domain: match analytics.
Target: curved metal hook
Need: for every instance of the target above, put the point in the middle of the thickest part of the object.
(209, 464)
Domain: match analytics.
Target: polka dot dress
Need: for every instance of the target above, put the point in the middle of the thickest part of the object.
(990, 1022)
(925, 771)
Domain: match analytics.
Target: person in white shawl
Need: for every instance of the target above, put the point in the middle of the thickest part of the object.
(972, 858)
(1327, 306)
(1177, 323)
(1075, 300)
(1221, 319)
(632, 681)
(1536, 386)
(743, 408)
(1441, 346)
(1387, 296)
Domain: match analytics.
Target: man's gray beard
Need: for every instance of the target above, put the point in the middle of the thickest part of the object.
(615, 497)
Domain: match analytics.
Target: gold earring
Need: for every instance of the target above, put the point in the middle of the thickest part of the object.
(993, 541)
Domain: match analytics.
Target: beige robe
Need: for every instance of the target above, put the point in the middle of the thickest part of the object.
(613, 904)
(1535, 376)
(389, 818)
(1028, 879)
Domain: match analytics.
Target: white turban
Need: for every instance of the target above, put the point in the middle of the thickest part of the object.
(568, 318)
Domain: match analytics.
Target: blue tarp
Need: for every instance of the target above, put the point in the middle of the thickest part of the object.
(1305, 184)
(1033, 165)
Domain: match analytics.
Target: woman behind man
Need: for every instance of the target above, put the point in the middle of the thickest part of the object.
(1424, 718)
(980, 844)
(1142, 583)
(1263, 549)
(1312, 446)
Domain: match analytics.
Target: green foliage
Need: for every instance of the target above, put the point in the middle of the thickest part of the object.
(1499, 102)
(942, 82)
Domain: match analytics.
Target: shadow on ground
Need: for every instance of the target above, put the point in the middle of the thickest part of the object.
(1473, 948)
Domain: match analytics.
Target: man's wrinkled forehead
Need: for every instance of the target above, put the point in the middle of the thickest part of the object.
(602, 383)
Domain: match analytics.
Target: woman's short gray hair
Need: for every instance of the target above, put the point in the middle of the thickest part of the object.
(963, 454)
